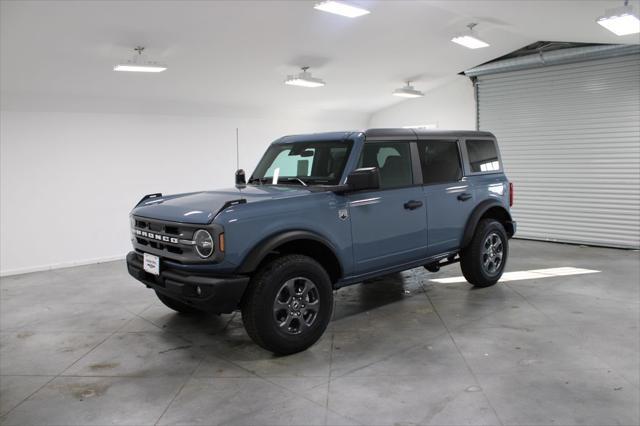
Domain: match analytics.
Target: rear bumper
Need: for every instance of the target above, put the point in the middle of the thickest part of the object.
(217, 294)
(511, 228)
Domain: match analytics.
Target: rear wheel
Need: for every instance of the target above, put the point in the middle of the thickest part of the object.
(178, 306)
(483, 261)
(288, 304)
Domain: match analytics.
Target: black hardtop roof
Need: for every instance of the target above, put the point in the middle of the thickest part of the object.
(384, 134)
(399, 132)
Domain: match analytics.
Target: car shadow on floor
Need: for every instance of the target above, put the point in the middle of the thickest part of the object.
(226, 333)
(372, 294)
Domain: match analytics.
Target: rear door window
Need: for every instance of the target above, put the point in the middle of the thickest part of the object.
(440, 161)
(483, 155)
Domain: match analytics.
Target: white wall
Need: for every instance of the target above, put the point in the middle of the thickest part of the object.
(450, 106)
(69, 179)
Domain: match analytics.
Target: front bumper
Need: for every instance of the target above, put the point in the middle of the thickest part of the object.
(217, 294)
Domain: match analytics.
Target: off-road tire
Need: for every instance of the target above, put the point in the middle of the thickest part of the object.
(259, 302)
(178, 306)
(471, 258)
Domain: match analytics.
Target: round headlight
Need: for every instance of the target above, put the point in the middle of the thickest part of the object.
(204, 243)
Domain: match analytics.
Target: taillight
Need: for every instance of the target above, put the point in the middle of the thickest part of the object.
(510, 194)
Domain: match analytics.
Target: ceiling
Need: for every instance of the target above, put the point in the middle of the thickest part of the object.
(234, 55)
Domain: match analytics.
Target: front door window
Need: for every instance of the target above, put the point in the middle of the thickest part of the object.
(393, 159)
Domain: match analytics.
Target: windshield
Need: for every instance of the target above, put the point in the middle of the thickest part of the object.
(303, 163)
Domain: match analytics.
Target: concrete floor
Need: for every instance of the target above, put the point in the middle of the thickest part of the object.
(91, 346)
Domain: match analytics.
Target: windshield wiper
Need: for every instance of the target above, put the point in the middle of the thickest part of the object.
(263, 180)
(289, 179)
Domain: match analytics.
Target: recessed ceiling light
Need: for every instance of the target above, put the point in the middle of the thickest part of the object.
(621, 20)
(469, 39)
(139, 64)
(341, 8)
(304, 79)
(408, 91)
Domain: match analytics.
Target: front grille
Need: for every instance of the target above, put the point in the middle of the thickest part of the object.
(154, 235)
(171, 240)
(176, 250)
(141, 224)
(157, 227)
(173, 230)
(166, 239)
(160, 246)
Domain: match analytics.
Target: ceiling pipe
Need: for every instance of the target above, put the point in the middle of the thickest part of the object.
(554, 57)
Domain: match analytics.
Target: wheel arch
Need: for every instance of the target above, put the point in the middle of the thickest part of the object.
(487, 209)
(290, 242)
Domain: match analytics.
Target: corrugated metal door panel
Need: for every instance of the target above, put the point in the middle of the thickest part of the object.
(570, 141)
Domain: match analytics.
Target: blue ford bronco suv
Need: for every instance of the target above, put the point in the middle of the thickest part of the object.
(320, 212)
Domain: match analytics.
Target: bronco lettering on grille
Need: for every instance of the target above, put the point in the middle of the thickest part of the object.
(155, 236)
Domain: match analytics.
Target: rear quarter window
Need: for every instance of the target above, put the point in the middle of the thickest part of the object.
(483, 155)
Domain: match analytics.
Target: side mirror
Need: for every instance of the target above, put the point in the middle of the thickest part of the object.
(364, 178)
(241, 181)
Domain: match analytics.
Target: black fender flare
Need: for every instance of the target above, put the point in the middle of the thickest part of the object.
(257, 254)
(475, 216)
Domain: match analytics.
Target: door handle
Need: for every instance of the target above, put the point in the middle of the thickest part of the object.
(464, 196)
(412, 204)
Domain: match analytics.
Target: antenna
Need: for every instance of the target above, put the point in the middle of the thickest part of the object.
(241, 181)
(237, 150)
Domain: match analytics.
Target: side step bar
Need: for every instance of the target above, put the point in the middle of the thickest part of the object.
(435, 267)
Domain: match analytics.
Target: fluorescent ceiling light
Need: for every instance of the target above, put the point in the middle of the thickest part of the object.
(139, 68)
(304, 79)
(620, 21)
(341, 8)
(469, 39)
(408, 91)
(139, 64)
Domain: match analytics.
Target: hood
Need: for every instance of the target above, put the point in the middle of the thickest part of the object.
(202, 207)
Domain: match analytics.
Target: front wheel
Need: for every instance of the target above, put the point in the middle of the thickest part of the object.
(288, 304)
(483, 261)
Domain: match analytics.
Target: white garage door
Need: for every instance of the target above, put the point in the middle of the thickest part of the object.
(570, 141)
